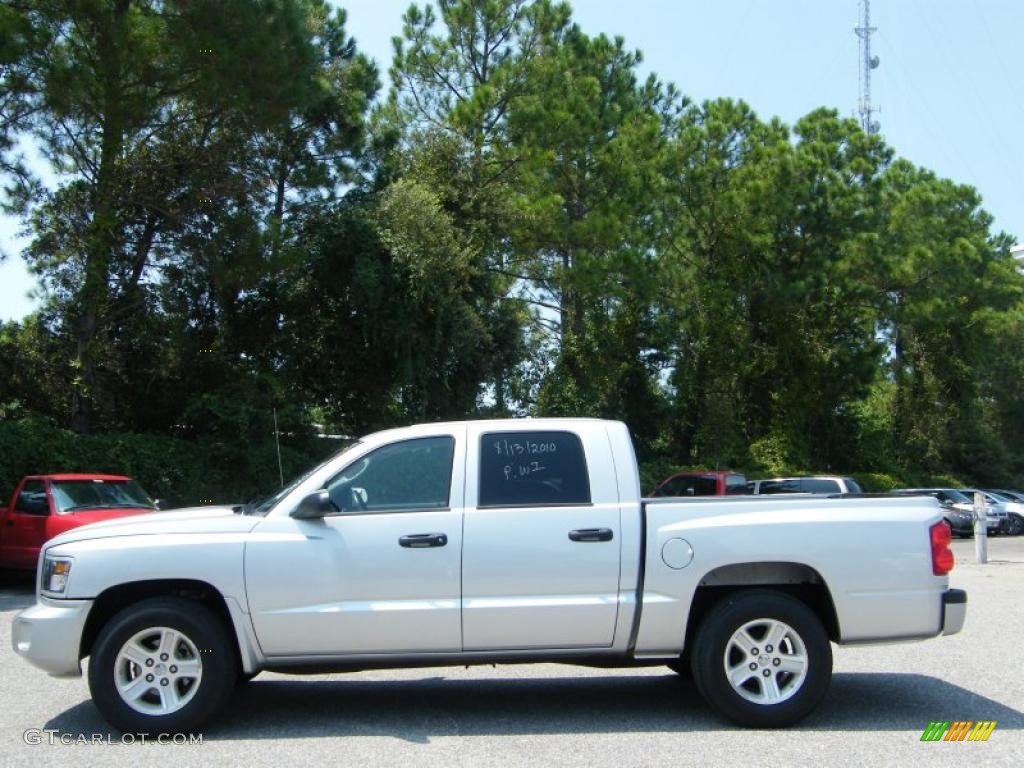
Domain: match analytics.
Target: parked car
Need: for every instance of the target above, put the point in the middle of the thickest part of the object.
(1015, 495)
(703, 483)
(44, 506)
(958, 508)
(815, 484)
(1013, 503)
(995, 507)
(484, 542)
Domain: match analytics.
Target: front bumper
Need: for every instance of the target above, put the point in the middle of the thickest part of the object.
(954, 611)
(49, 634)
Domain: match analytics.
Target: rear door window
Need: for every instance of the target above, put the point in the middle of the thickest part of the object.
(532, 468)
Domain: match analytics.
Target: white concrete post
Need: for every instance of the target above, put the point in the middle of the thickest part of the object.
(980, 528)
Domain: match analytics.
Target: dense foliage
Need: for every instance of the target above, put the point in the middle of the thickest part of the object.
(244, 221)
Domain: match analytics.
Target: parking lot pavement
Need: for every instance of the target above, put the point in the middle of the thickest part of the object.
(881, 700)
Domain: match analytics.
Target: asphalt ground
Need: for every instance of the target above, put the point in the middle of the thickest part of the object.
(881, 700)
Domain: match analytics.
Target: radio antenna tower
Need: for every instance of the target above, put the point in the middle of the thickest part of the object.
(868, 62)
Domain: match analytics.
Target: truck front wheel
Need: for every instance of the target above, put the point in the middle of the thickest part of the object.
(164, 665)
(762, 659)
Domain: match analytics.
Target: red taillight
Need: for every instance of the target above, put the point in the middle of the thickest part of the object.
(942, 555)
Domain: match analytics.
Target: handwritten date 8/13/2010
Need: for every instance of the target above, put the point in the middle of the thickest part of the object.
(523, 448)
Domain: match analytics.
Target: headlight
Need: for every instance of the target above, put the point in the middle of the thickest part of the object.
(55, 574)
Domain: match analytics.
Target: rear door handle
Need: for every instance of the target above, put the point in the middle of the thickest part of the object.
(423, 540)
(591, 534)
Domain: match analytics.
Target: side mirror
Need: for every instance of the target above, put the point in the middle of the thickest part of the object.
(313, 506)
(158, 504)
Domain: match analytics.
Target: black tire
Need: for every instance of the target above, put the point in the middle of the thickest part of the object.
(1016, 526)
(713, 641)
(203, 631)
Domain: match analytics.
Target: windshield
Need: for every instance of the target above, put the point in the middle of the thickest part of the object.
(1012, 495)
(262, 507)
(75, 495)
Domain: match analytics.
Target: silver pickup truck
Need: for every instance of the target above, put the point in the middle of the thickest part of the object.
(483, 542)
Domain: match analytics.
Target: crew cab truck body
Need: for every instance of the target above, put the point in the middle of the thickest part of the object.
(44, 506)
(489, 541)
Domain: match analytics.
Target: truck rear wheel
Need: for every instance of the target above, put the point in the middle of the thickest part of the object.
(164, 665)
(762, 659)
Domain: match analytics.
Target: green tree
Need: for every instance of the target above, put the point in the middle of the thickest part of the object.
(715, 247)
(948, 286)
(769, 251)
(454, 76)
(589, 135)
(821, 309)
(156, 108)
(20, 99)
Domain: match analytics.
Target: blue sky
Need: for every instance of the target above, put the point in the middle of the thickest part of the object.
(950, 84)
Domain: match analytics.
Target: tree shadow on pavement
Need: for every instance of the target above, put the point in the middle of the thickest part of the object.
(432, 707)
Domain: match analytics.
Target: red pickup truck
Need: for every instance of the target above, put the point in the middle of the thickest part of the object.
(46, 505)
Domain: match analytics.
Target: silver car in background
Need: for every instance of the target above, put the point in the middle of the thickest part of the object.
(1013, 502)
(995, 508)
(958, 508)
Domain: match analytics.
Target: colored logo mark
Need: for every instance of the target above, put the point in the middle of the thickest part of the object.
(958, 730)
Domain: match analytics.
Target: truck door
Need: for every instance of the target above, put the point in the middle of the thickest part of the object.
(541, 547)
(382, 573)
(25, 526)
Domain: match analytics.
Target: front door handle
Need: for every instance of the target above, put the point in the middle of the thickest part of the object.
(591, 534)
(422, 540)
